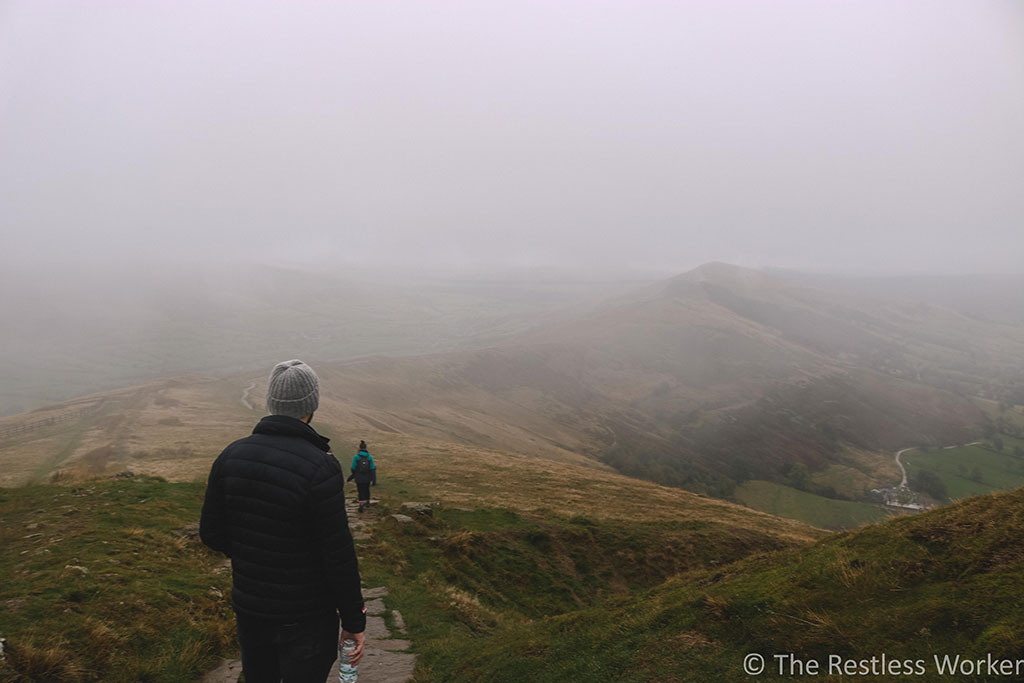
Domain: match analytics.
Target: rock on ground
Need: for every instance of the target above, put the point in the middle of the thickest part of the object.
(227, 671)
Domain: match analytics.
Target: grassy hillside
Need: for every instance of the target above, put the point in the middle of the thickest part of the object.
(170, 428)
(104, 582)
(513, 568)
(826, 513)
(944, 582)
(508, 547)
(464, 476)
(566, 574)
(174, 427)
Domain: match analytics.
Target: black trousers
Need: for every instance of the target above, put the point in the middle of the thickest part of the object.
(295, 653)
(364, 490)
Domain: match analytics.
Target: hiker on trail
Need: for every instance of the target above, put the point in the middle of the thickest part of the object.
(275, 504)
(364, 471)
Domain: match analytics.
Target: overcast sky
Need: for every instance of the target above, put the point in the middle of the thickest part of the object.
(885, 136)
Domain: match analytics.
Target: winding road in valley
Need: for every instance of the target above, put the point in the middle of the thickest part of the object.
(903, 484)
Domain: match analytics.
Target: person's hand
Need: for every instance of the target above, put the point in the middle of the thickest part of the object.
(360, 639)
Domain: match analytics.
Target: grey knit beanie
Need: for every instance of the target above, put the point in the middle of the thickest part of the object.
(293, 390)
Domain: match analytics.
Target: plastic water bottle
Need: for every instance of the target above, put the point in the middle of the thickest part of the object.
(347, 673)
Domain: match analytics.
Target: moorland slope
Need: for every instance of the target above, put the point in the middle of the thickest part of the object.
(716, 377)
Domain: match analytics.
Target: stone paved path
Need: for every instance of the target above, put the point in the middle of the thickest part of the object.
(386, 659)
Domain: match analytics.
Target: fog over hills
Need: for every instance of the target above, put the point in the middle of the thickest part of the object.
(703, 380)
(723, 374)
(998, 298)
(74, 330)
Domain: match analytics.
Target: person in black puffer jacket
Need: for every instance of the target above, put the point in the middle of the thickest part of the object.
(275, 505)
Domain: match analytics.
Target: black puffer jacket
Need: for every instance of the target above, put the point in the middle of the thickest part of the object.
(275, 505)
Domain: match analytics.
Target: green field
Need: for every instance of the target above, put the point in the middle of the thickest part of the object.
(807, 507)
(999, 470)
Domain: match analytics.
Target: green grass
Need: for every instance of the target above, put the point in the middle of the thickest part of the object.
(463, 576)
(999, 470)
(823, 512)
(526, 567)
(99, 587)
(948, 581)
(489, 593)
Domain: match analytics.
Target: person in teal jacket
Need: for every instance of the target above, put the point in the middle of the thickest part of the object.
(364, 471)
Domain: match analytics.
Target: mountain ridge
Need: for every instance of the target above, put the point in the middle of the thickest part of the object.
(702, 380)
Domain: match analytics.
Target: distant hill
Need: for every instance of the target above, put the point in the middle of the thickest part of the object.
(715, 377)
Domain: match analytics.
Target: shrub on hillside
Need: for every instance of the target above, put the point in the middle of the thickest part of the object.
(928, 482)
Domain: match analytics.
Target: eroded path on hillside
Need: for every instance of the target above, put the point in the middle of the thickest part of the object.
(245, 396)
(386, 659)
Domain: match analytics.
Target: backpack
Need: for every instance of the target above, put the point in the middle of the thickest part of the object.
(363, 466)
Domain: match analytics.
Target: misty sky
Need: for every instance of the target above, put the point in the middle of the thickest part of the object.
(830, 134)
